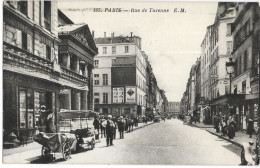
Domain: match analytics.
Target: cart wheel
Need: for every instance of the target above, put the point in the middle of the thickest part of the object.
(66, 151)
(45, 152)
(92, 144)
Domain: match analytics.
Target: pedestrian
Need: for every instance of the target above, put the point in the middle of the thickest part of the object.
(126, 124)
(250, 127)
(42, 118)
(103, 129)
(121, 128)
(216, 123)
(96, 127)
(115, 127)
(231, 127)
(109, 125)
(50, 127)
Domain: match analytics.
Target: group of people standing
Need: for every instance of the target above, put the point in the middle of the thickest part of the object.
(227, 126)
(108, 127)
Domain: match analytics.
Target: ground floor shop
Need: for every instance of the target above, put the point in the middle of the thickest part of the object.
(119, 109)
(238, 106)
(23, 97)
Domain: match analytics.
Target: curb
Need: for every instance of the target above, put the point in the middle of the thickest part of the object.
(233, 142)
(136, 128)
(200, 127)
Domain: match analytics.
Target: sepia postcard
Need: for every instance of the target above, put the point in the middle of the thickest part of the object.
(130, 82)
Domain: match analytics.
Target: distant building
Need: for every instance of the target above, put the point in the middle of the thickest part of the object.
(174, 108)
(120, 76)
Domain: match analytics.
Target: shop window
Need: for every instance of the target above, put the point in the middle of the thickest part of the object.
(22, 107)
(105, 111)
(47, 15)
(96, 109)
(127, 111)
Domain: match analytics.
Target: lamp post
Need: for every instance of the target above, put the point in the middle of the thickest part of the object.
(230, 68)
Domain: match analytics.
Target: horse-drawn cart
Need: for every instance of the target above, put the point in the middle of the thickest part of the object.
(75, 134)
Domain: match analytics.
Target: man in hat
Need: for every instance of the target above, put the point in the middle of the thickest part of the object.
(109, 125)
(121, 127)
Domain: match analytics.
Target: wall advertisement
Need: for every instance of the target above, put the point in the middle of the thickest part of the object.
(118, 94)
(130, 92)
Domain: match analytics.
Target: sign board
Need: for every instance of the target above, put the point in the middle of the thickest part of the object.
(130, 92)
(118, 95)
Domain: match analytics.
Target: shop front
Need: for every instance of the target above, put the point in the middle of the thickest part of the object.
(23, 96)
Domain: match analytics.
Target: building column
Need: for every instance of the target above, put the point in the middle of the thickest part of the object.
(66, 60)
(77, 65)
(85, 73)
(75, 100)
(66, 100)
(84, 99)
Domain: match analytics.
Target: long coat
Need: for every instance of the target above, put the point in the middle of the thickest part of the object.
(121, 126)
(250, 127)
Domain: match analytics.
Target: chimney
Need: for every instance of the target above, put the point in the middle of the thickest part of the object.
(131, 34)
(104, 34)
(93, 33)
(112, 35)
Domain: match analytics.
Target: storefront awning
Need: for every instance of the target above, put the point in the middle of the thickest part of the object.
(233, 99)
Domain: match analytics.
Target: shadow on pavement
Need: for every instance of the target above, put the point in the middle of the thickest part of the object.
(233, 148)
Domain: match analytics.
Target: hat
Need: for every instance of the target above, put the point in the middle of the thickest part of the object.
(43, 107)
(109, 116)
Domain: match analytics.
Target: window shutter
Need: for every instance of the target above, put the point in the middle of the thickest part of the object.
(18, 38)
(42, 13)
(52, 55)
(29, 43)
(43, 54)
(30, 9)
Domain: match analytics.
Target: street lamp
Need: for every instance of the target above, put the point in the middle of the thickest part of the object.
(230, 68)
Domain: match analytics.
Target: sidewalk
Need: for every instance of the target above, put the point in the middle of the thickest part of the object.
(240, 138)
(26, 154)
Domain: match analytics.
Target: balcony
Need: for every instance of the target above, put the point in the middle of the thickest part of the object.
(72, 75)
(18, 57)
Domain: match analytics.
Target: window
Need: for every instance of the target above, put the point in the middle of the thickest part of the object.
(229, 47)
(244, 87)
(104, 50)
(96, 62)
(105, 98)
(229, 29)
(113, 49)
(96, 75)
(126, 49)
(48, 52)
(105, 79)
(47, 15)
(96, 98)
(245, 60)
(24, 41)
(96, 82)
(22, 7)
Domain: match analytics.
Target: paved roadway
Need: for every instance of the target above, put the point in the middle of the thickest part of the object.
(167, 143)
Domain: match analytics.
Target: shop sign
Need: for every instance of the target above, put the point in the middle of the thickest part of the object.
(130, 92)
(118, 95)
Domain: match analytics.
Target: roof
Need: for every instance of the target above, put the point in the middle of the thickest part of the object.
(64, 17)
(109, 40)
(70, 27)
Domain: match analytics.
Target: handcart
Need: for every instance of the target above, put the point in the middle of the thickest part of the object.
(76, 133)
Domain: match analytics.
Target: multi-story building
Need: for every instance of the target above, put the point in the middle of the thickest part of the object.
(76, 57)
(245, 81)
(30, 48)
(205, 75)
(197, 94)
(32, 73)
(174, 108)
(221, 47)
(120, 76)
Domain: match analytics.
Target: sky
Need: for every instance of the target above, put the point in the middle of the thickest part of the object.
(171, 40)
